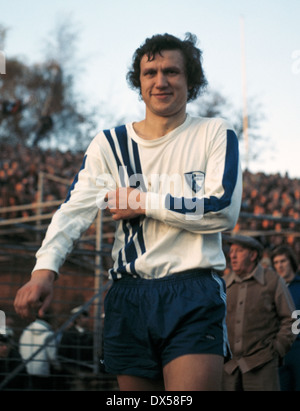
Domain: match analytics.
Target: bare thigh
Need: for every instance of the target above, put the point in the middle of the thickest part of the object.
(132, 383)
(194, 372)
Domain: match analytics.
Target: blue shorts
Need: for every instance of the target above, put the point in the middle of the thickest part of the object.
(148, 323)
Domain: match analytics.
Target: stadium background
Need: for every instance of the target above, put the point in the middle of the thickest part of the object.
(31, 191)
(34, 181)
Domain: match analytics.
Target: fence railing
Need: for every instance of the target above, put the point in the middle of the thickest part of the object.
(92, 245)
(53, 337)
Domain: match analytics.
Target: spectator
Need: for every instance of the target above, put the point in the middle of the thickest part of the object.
(285, 263)
(37, 335)
(259, 308)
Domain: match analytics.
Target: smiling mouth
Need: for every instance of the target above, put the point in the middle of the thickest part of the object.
(162, 95)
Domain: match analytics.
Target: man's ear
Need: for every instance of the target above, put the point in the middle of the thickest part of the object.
(253, 255)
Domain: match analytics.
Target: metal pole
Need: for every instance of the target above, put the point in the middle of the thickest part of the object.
(98, 303)
(244, 87)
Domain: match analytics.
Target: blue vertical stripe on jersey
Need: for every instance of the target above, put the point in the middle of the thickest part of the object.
(136, 224)
(136, 155)
(138, 167)
(133, 228)
(130, 250)
(136, 179)
(75, 180)
(109, 138)
(113, 149)
(121, 134)
(137, 229)
(178, 204)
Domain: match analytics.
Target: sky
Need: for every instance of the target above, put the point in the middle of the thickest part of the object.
(110, 31)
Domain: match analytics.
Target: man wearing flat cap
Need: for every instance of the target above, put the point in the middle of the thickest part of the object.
(259, 319)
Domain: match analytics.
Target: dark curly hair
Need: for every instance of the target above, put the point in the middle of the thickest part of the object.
(196, 80)
(288, 252)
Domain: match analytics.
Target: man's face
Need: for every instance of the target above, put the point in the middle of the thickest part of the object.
(4, 349)
(283, 266)
(164, 84)
(242, 259)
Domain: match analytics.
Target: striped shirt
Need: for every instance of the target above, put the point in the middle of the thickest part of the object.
(193, 180)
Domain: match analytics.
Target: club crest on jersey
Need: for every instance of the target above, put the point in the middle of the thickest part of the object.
(195, 180)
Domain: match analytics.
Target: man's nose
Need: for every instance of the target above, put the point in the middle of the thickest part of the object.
(161, 80)
(232, 254)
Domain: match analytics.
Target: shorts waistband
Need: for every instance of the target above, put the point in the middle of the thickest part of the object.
(184, 275)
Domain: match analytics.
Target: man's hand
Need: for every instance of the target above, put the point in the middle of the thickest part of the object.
(126, 203)
(36, 295)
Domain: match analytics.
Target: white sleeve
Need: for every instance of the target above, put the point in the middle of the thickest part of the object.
(76, 214)
(215, 208)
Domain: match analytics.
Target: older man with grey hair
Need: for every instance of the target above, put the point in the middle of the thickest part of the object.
(259, 319)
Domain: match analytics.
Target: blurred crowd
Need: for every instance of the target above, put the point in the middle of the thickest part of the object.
(274, 196)
(19, 172)
(263, 195)
(271, 195)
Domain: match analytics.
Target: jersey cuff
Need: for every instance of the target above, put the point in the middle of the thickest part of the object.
(46, 263)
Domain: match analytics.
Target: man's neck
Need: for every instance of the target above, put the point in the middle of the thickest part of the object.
(248, 272)
(153, 127)
(289, 277)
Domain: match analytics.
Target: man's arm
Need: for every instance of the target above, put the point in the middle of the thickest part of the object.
(68, 223)
(216, 207)
(36, 295)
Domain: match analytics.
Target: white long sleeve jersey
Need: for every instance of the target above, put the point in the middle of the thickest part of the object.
(193, 181)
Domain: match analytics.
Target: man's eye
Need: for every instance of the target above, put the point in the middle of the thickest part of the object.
(171, 72)
(149, 73)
